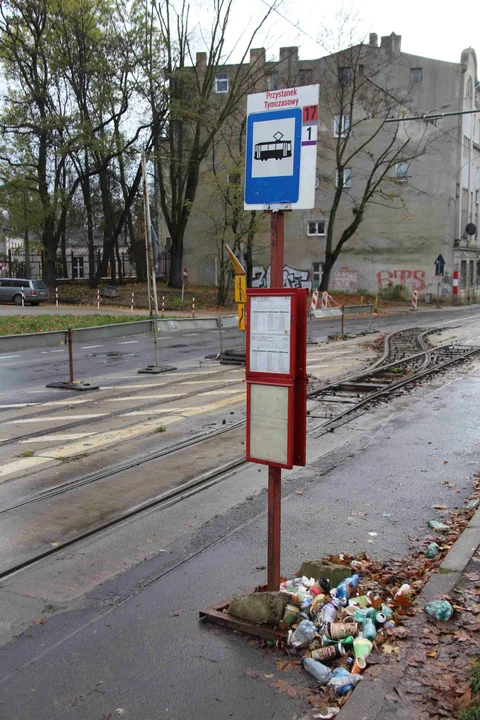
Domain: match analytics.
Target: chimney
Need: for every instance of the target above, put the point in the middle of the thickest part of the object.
(289, 53)
(201, 59)
(373, 41)
(392, 44)
(257, 56)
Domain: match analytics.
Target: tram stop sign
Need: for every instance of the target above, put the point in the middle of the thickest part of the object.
(281, 150)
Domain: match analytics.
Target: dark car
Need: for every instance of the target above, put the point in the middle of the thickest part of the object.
(35, 291)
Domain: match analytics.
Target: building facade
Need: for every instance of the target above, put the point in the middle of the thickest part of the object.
(427, 202)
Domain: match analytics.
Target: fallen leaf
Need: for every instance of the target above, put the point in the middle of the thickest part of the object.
(39, 621)
(440, 507)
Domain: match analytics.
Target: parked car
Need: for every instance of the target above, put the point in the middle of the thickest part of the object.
(35, 291)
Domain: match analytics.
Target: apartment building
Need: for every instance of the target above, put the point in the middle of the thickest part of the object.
(428, 205)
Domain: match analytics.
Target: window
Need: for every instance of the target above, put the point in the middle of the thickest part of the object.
(415, 75)
(77, 268)
(347, 177)
(317, 274)
(361, 69)
(477, 187)
(272, 81)
(304, 77)
(221, 82)
(470, 273)
(401, 170)
(316, 227)
(341, 125)
(345, 76)
(463, 274)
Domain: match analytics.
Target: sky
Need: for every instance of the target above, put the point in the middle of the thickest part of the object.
(428, 29)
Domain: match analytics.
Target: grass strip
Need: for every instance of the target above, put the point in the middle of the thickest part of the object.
(19, 324)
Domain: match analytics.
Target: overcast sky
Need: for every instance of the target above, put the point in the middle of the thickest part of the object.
(428, 29)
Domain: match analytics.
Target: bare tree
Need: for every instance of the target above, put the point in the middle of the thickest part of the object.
(228, 222)
(194, 113)
(358, 96)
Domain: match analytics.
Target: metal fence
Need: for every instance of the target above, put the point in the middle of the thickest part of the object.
(77, 266)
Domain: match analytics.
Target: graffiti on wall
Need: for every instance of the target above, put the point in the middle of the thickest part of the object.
(292, 277)
(413, 279)
(346, 279)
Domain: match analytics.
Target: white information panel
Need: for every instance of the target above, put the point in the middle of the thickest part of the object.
(269, 423)
(270, 334)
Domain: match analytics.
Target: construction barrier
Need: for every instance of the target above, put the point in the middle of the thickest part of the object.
(414, 300)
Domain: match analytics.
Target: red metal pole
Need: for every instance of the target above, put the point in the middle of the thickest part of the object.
(277, 220)
(70, 353)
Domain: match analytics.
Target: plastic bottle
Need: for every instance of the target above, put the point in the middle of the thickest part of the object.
(432, 550)
(327, 614)
(439, 526)
(303, 635)
(346, 587)
(369, 630)
(439, 609)
(343, 681)
(319, 671)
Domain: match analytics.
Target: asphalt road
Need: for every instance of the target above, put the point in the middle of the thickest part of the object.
(110, 360)
(135, 648)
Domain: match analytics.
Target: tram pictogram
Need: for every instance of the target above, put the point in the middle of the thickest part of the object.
(276, 149)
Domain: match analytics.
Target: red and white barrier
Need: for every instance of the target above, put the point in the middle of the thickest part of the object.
(313, 304)
(23, 298)
(414, 300)
(56, 297)
(98, 299)
(455, 282)
(325, 297)
(133, 300)
(193, 307)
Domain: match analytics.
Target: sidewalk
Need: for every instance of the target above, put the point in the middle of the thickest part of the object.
(134, 647)
(431, 673)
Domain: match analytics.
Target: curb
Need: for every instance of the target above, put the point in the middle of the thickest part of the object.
(369, 701)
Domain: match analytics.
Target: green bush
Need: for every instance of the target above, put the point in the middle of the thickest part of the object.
(393, 292)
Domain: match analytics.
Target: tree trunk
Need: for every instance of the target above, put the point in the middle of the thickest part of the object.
(327, 269)
(176, 257)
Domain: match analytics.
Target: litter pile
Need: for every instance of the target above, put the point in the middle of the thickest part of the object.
(339, 615)
(336, 627)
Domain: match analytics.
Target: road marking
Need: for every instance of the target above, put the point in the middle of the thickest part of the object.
(104, 439)
(53, 351)
(202, 382)
(128, 342)
(9, 357)
(59, 438)
(164, 337)
(21, 464)
(191, 334)
(51, 418)
(89, 347)
(134, 398)
(18, 405)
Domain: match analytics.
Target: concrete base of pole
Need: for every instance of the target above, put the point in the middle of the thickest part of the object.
(157, 369)
(77, 385)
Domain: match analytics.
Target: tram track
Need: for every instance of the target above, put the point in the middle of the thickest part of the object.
(394, 370)
(406, 359)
